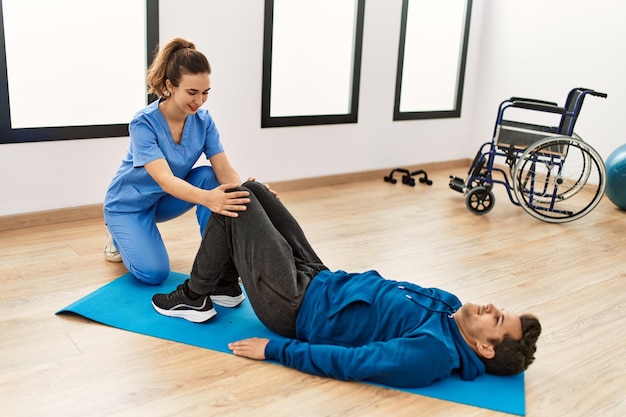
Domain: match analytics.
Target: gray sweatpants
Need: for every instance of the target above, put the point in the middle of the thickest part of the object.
(266, 246)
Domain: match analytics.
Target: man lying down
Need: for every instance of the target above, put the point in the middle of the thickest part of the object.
(337, 324)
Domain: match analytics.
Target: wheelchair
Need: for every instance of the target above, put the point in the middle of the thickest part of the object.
(549, 171)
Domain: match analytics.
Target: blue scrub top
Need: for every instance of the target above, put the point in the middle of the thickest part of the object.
(133, 189)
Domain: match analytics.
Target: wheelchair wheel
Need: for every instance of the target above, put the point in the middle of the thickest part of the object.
(568, 188)
(559, 179)
(480, 200)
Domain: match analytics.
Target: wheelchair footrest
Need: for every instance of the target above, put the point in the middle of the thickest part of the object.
(457, 184)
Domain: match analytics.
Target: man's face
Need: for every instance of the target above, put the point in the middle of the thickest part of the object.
(479, 324)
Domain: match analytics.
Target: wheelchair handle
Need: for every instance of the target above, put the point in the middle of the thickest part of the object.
(593, 92)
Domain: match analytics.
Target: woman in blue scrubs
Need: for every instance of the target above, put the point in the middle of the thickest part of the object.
(157, 180)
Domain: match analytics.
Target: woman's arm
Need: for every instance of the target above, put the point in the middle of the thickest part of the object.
(217, 200)
(224, 171)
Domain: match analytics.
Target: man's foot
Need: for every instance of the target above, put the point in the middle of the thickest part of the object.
(178, 304)
(228, 295)
(111, 253)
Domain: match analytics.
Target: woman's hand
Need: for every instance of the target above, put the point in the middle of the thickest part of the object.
(218, 200)
(253, 348)
(221, 201)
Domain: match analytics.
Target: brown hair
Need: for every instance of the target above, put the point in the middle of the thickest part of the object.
(514, 356)
(176, 58)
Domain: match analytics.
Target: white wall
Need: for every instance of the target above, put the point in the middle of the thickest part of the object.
(232, 38)
(516, 48)
(541, 49)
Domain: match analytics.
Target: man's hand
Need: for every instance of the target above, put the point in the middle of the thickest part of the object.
(253, 348)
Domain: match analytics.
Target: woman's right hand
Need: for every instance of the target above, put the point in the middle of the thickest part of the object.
(228, 203)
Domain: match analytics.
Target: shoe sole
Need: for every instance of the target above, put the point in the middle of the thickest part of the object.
(113, 257)
(189, 315)
(227, 301)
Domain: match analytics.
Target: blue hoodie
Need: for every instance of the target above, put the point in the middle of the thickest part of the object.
(364, 327)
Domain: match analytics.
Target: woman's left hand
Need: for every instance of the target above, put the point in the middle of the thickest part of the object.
(267, 187)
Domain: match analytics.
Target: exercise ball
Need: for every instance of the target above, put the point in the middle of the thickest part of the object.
(616, 177)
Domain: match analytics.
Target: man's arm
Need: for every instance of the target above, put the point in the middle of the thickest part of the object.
(253, 348)
(403, 362)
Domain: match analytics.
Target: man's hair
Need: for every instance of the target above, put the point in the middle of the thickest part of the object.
(514, 356)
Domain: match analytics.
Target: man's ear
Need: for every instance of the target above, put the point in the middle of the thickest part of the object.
(487, 351)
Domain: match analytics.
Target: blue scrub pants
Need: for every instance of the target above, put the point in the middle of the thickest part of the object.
(138, 239)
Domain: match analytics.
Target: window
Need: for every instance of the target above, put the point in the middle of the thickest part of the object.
(72, 69)
(431, 58)
(311, 62)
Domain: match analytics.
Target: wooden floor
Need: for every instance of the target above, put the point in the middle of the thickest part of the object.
(573, 276)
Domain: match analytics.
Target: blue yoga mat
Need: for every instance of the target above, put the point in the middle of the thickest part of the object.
(126, 304)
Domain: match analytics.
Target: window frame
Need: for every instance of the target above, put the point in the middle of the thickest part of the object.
(432, 114)
(40, 134)
(317, 119)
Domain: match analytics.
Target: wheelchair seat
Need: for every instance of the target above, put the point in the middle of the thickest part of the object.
(519, 135)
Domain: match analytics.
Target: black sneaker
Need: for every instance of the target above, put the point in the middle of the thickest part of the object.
(178, 304)
(229, 295)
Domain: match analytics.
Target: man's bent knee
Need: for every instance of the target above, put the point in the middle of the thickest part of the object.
(254, 187)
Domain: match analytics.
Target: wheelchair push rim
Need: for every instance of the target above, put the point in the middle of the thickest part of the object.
(559, 179)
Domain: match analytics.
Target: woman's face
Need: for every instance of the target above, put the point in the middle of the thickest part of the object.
(191, 93)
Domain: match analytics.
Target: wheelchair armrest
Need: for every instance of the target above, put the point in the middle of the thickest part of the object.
(534, 105)
(532, 100)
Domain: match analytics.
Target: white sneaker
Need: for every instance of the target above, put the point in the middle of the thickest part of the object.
(111, 253)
